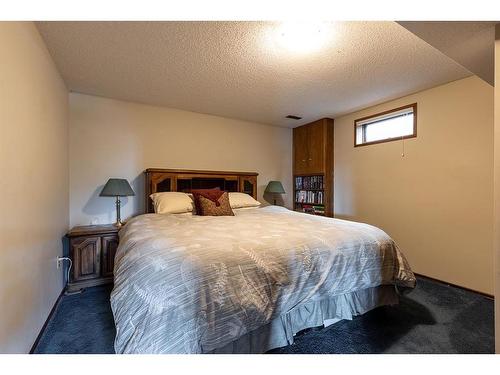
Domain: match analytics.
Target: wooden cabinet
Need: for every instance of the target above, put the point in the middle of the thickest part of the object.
(109, 246)
(316, 147)
(300, 150)
(311, 145)
(92, 250)
(86, 253)
(313, 156)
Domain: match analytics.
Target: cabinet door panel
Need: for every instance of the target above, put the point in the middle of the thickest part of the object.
(86, 257)
(300, 151)
(109, 246)
(316, 147)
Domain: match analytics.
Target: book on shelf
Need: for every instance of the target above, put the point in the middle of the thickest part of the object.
(312, 209)
(309, 183)
(308, 196)
(319, 210)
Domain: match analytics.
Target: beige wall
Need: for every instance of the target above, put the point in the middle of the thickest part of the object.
(436, 202)
(497, 189)
(111, 138)
(34, 184)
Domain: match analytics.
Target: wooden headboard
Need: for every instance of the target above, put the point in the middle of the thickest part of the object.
(160, 180)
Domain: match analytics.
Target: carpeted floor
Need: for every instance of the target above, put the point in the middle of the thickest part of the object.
(433, 318)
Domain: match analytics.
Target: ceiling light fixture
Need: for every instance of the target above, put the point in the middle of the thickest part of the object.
(302, 36)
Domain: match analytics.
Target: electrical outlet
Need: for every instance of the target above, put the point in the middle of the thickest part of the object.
(59, 262)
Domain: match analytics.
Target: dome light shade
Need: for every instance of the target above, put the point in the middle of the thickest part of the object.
(302, 36)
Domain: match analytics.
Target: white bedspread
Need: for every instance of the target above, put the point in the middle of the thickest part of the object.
(192, 284)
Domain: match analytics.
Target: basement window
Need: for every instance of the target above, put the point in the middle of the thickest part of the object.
(392, 125)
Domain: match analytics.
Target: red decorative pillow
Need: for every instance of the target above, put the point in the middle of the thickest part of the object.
(213, 193)
(212, 202)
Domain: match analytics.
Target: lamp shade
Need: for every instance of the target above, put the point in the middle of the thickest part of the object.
(275, 187)
(117, 187)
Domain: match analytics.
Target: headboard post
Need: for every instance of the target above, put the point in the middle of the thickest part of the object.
(160, 180)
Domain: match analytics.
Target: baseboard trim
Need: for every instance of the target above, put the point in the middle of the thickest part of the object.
(455, 285)
(35, 344)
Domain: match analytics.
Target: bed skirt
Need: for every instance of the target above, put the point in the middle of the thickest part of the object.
(280, 331)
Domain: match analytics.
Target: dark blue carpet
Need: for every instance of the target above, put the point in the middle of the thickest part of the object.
(433, 318)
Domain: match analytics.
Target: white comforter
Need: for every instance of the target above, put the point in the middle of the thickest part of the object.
(192, 284)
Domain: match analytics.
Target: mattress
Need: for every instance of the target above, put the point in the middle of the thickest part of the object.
(201, 284)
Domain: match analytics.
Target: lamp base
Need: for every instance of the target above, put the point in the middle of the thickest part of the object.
(118, 223)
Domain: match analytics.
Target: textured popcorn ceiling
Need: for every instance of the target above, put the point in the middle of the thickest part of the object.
(237, 70)
(471, 44)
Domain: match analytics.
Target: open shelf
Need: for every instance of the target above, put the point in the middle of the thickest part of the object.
(308, 192)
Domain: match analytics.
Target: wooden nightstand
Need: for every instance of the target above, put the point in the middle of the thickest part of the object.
(92, 250)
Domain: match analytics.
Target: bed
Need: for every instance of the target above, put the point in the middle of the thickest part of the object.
(245, 283)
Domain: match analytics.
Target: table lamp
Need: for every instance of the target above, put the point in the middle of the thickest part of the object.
(274, 187)
(117, 187)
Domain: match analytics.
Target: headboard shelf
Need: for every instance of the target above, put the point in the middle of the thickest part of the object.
(183, 180)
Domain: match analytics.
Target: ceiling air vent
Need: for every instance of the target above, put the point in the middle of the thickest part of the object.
(294, 117)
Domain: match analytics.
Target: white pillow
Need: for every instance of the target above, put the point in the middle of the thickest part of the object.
(240, 200)
(172, 202)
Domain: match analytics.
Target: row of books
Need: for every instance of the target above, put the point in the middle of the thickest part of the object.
(303, 196)
(308, 182)
(311, 209)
